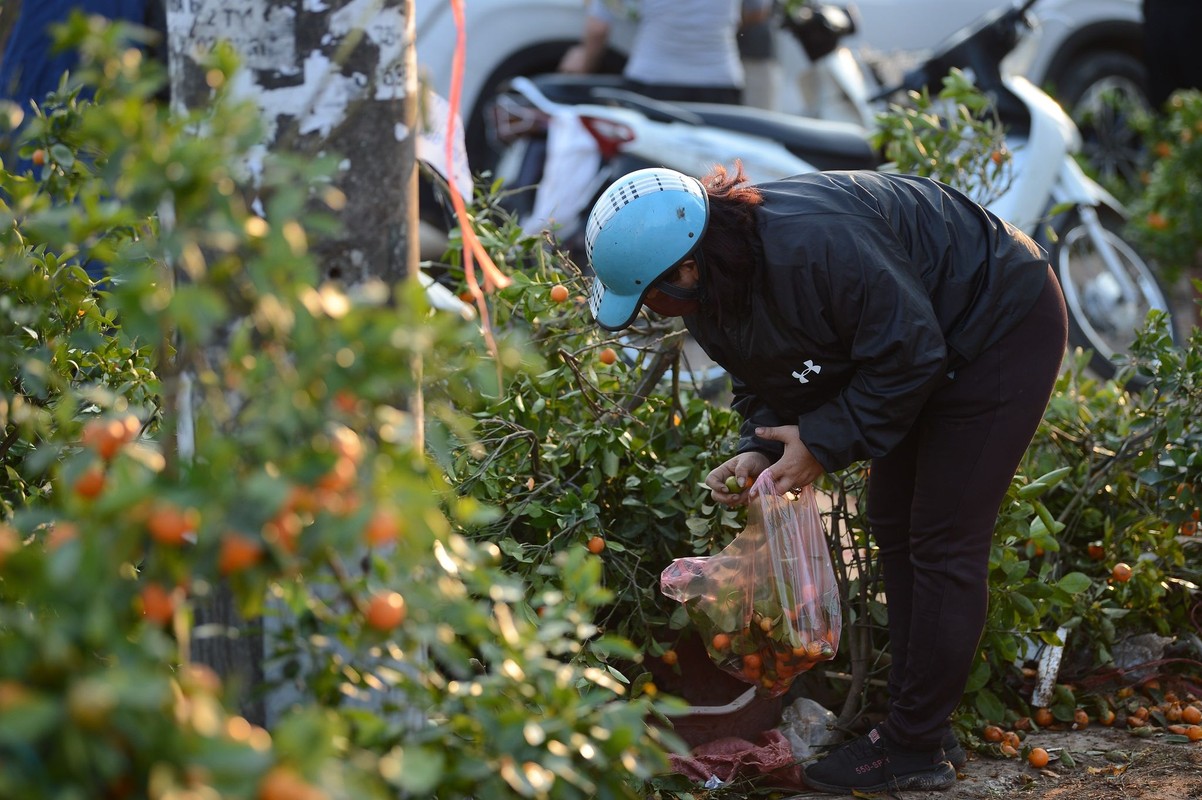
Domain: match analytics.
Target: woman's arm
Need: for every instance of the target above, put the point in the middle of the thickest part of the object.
(585, 58)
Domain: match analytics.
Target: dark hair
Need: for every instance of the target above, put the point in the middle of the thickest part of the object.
(731, 246)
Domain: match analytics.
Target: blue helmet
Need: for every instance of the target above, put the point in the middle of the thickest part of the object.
(642, 226)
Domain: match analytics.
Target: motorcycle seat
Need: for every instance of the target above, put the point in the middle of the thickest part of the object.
(569, 89)
(827, 144)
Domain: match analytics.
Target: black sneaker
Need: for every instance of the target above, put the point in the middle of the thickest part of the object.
(873, 764)
(954, 751)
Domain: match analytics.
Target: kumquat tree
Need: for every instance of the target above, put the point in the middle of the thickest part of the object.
(274, 530)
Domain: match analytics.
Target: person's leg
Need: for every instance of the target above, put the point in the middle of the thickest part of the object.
(971, 437)
(960, 458)
(890, 498)
(761, 83)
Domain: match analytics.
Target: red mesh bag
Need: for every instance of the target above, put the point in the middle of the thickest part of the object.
(767, 606)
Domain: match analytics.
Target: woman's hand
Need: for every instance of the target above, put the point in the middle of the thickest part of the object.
(796, 468)
(575, 61)
(745, 468)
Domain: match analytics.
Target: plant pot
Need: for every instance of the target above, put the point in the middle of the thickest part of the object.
(721, 705)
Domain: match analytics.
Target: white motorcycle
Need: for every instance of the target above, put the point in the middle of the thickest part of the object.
(567, 138)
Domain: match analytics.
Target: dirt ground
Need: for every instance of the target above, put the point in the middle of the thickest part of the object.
(1108, 764)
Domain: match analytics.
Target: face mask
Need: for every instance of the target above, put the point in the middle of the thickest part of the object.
(672, 301)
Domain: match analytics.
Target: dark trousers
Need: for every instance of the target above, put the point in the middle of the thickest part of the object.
(932, 506)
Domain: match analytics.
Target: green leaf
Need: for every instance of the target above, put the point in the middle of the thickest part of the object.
(514, 550)
(1024, 606)
(609, 464)
(679, 619)
(417, 770)
(1074, 582)
(1043, 483)
(989, 705)
(979, 677)
(62, 155)
(1007, 649)
(29, 721)
(674, 474)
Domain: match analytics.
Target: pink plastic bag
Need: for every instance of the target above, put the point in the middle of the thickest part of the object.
(767, 606)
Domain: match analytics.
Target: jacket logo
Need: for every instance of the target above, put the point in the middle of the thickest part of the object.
(811, 367)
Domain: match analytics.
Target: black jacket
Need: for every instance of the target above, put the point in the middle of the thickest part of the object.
(869, 290)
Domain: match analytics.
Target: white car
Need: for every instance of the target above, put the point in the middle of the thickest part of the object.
(504, 39)
(1083, 49)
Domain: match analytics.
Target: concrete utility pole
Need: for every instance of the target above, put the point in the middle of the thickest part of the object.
(331, 76)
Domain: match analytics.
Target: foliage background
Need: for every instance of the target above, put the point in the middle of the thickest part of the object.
(360, 446)
(277, 462)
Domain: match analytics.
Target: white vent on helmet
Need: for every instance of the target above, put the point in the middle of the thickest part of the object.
(594, 297)
(637, 184)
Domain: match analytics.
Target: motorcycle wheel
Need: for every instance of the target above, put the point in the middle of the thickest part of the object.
(1104, 94)
(518, 171)
(1107, 302)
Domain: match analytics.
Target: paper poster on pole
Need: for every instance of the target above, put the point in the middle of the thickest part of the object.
(433, 129)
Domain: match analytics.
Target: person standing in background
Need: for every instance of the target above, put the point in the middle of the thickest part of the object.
(1171, 51)
(31, 68)
(761, 71)
(1174, 63)
(683, 50)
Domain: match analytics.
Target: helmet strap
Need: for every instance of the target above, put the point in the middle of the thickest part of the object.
(676, 292)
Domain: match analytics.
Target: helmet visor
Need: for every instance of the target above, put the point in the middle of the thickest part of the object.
(614, 311)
